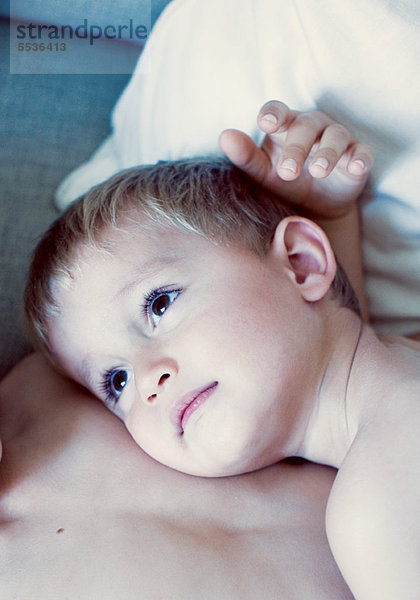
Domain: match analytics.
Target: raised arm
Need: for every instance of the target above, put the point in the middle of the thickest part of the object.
(317, 166)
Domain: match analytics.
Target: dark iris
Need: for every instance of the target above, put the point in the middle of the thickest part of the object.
(118, 381)
(160, 305)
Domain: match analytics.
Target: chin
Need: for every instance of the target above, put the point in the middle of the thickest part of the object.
(224, 468)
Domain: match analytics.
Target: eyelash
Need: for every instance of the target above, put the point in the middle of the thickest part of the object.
(151, 297)
(111, 398)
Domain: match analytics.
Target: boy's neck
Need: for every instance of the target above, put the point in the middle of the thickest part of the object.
(362, 371)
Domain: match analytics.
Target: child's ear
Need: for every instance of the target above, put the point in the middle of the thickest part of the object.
(306, 253)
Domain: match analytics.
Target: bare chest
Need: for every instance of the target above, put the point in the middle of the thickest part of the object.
(66, 544)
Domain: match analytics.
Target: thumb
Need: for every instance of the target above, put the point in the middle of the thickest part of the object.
(245, 154)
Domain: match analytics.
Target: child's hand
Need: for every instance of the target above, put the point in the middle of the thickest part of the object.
(309, 160)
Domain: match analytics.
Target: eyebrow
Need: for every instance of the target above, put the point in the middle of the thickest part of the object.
(146, 270)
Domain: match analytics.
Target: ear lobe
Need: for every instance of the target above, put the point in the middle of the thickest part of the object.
(307, 255)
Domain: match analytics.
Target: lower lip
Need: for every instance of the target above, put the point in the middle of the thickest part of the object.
(195, 404)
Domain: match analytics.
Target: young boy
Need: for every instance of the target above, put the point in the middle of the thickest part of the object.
(212, 321)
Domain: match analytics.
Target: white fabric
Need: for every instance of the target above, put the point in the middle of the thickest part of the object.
(211, 64)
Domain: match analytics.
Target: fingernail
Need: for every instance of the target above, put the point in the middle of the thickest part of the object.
(357, 167)
(322, 162)
(359, 162)
(270, 117)
(290, 165)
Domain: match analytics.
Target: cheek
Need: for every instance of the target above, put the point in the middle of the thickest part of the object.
(151, 431)
(249, 329)
(239, 344)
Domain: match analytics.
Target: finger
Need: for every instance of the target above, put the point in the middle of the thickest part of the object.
(361, 159)
(303, 133)
(274, 116)
(334, 143)
(245, 154)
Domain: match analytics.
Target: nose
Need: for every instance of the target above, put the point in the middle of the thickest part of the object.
(156, 379)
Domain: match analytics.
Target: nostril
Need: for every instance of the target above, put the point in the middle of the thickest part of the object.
(163, 378)
(153, 397)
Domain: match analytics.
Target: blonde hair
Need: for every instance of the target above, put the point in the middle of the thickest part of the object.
(209, 197)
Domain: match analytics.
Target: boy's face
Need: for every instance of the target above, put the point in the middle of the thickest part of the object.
(206, 353)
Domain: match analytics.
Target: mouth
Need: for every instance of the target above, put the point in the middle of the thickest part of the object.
(184, 408)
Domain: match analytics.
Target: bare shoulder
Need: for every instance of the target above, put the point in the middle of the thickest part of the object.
(372, 514)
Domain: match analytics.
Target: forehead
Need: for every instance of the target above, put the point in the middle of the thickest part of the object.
(149, 241)
(137, 245)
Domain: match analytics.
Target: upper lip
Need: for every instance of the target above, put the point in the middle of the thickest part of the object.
(180, 406)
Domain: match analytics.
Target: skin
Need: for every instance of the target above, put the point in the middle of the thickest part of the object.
(211, 317)
(89, 515)
(359, 392)
(358, 395)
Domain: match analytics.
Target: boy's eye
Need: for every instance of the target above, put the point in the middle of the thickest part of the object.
(114, 382)
(158, 302)
(118, 381)
(159, 305)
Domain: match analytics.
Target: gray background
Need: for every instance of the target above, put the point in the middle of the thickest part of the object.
(49, 124)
